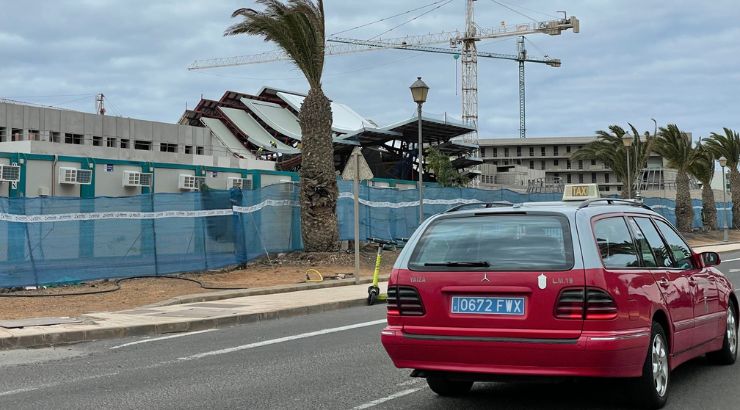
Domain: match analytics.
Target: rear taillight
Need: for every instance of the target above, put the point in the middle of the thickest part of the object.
(599, 305)
(570, 304)
(404, 301)
(588, 303)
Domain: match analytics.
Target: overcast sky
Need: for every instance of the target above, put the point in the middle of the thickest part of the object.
(675, 61)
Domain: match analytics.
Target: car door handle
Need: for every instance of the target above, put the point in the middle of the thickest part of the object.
(692, 281)
(663, 282)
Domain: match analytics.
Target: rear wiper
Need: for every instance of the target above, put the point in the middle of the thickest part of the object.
(472, 264)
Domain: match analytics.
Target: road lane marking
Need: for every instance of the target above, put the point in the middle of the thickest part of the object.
(283, 339)
(161, 338)
(731, 260)
(734, 270)
(48, 385)
(387, 398)
(16, 391)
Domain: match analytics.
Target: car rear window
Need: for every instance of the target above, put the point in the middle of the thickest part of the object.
(495, 242)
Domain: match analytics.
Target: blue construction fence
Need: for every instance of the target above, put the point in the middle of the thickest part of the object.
(54, 240)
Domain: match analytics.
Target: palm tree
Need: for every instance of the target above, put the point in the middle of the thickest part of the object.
(675, 147)
(703, 169)
(728, 146)
(297, 27)
(610, 150)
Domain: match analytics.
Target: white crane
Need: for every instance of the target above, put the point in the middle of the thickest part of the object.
(473, 33)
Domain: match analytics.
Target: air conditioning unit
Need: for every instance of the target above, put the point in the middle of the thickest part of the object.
(75, 176)
(136, 178)
(241, 183)
(190, 182)
(10, 173)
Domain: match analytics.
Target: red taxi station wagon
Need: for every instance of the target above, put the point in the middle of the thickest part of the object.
(595, 288)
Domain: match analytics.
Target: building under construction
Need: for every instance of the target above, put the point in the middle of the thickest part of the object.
(266, 126)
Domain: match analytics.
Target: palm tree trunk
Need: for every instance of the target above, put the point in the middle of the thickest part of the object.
(684, 209)
(318, 179)
(708, 207)
(735, 195)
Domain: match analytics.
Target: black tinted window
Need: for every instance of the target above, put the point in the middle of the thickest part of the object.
(615, 243)
(643, 247)
(662, 256)
(679, 249)
(504, 242)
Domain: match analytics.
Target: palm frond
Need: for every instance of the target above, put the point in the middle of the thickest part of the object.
(674, 146)
(725, 145)
(297, 27)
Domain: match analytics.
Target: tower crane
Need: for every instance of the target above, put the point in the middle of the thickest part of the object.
(467, 41)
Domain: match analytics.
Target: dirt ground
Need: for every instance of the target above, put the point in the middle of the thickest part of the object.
(290, 268)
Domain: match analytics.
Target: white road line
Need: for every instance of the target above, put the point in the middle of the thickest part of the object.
(730, 260)
(282, 339)
(734, 270)
(161, 338)
(16, 391)
(46, 386)
(387, 398)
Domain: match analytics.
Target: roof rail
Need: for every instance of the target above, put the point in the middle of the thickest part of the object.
(614, 201)
(479, 205)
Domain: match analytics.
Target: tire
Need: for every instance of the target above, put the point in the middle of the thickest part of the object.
(449, 388)
(728, 353)
(372, 295)
(652, 386)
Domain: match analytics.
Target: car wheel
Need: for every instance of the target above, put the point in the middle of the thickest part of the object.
(728, 353)
(656, 372)
(448, 388)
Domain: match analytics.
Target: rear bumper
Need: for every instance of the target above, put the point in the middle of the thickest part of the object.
(593, 354)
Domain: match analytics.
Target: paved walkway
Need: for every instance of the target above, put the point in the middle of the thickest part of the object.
(185, 317)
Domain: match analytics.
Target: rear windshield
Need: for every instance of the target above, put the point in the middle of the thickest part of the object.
(495, 242)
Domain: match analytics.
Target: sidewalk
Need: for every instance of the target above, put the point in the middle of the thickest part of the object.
(183, 317)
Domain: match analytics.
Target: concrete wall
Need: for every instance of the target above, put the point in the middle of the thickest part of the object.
(109, 180)
(167, 180)
(4, 186)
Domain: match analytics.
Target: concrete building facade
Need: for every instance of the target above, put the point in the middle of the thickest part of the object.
(56, 152)
(550, 157)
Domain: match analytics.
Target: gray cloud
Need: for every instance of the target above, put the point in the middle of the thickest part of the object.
(633, 60)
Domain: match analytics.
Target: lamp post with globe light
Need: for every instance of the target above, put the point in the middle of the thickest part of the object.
(419, 91)
(723, 163)
(627, 141)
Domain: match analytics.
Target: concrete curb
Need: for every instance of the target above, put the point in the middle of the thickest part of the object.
(270, 290)
(55, 338)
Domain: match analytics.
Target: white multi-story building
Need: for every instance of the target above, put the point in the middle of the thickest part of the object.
(548, 161)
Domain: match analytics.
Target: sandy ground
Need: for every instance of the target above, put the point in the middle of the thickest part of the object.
(281, 269)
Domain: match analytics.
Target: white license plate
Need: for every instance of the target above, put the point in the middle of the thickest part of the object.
(487, 305)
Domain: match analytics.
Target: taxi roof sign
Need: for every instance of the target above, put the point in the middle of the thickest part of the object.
(580, 192)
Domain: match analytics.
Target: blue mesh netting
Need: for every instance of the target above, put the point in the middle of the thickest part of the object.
(267, 220)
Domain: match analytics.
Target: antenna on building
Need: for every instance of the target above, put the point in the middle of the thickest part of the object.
(100, 104)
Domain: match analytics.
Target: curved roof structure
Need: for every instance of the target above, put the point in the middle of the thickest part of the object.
(276, 117)
(255, 133)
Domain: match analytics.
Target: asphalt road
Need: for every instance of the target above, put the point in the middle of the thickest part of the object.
(330, 360)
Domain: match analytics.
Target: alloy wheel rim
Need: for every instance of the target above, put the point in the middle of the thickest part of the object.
(731, 331)
(660, 365)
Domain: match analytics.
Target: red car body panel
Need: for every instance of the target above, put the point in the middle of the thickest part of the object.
(692, 304)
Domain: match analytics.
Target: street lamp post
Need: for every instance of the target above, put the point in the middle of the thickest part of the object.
(419, 91)
(723, 163)
(627, 141)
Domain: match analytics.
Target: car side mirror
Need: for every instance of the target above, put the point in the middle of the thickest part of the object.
(710, 259)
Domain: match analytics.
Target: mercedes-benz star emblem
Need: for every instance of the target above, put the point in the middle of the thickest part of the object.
(485, 278)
